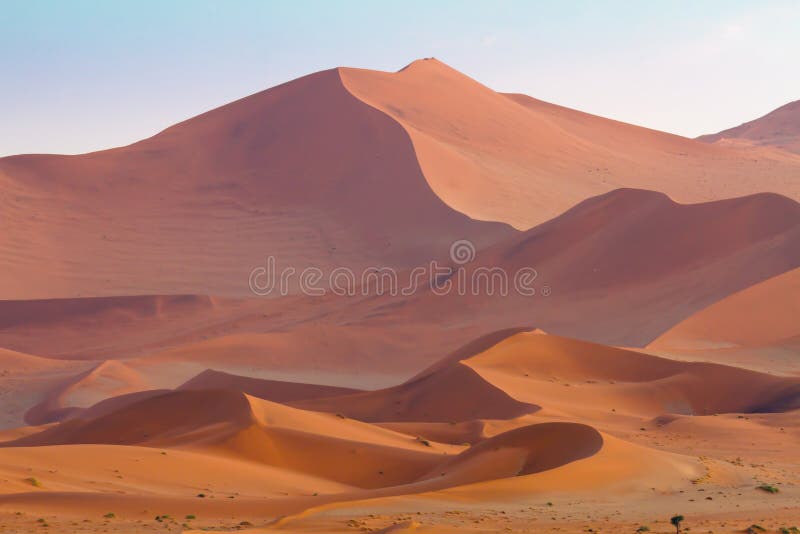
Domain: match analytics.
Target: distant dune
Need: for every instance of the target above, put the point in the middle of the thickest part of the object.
(779, 128)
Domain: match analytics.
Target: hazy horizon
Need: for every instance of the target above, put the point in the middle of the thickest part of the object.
(87, 75)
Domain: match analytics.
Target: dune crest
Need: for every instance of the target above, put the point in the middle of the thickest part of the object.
(515, 159)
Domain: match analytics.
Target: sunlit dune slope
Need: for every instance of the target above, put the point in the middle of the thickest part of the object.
(304, 171)
(516, 159)
(759, 315)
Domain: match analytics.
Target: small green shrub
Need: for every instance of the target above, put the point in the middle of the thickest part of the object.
(33, 482)
(768, 488)
(110, 515)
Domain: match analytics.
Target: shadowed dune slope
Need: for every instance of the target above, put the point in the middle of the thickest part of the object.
(779, 128)
(454, 393)
(759, 315)
(522, 451)
(632, 237)
(304, 171)
(108, 379)
(522, 161)
(271, 390)
(625, 266)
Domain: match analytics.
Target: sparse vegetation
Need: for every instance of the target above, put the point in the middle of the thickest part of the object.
(191, 516)
(201, 495)
(110, 515)
(424, 441)
(789, 530)
(755, 529)
(33, 481)
(768, 488)
(676, 521)
(643, 528)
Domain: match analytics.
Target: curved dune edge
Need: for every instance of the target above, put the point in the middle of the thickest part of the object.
(762, 314)
(618, 466)
(236, 425)
(106, 380)
(535, 368)
(504, 157)
(453, 394)
(313, 174)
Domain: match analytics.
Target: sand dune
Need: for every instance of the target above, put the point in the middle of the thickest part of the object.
(305, 170)
(623, 267)
(452, 394)
(376, 147)
(231, 423)
(523, 451)
(154, 383)
(522, 161)
(759, 315)
(779, 128)
(529, 371)
(535, 367)
(27, 380)
(105, 380)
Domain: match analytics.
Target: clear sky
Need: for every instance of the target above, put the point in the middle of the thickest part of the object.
(83, 75)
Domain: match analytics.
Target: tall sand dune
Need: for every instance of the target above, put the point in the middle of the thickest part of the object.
(345, 167)
(305, 172)
(519, 160)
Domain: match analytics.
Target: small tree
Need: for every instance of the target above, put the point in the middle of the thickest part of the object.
(676, 520)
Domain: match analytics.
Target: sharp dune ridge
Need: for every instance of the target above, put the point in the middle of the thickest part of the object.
(304, 169)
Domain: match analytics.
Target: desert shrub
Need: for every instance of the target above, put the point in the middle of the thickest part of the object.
(768, 488)
(676, 520)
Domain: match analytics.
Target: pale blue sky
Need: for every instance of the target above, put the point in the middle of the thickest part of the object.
(85, 75)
